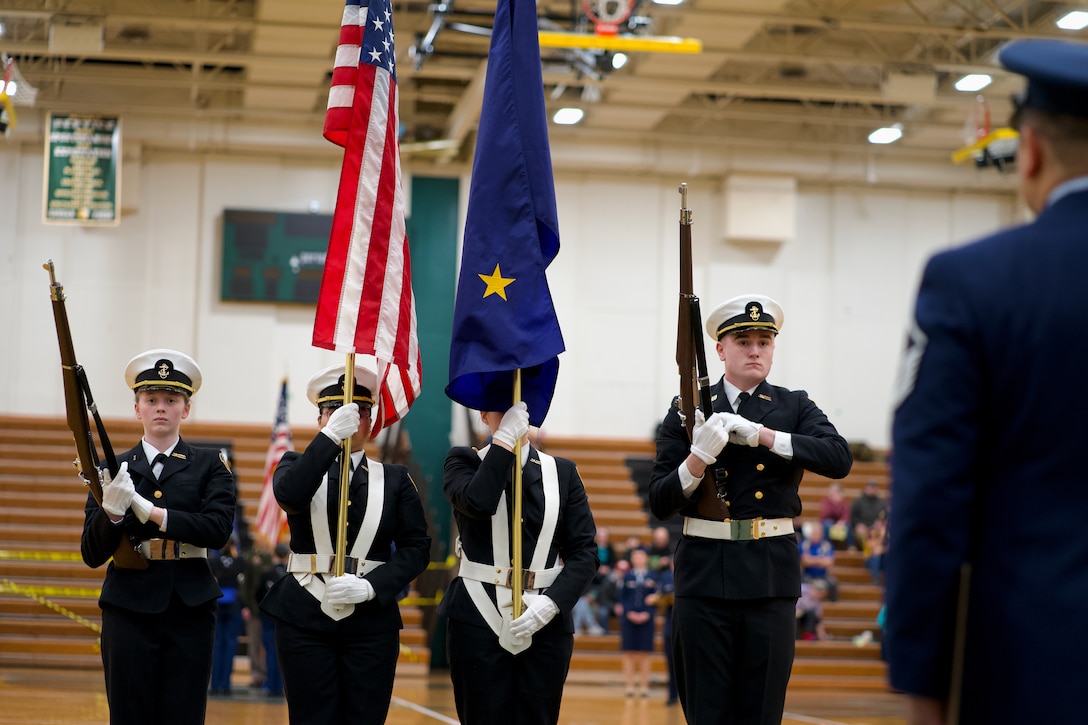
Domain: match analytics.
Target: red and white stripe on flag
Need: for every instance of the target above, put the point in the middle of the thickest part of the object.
(366, 304)
(271, 519)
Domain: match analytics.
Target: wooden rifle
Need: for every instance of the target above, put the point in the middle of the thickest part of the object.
(691, 361)
(77, 396)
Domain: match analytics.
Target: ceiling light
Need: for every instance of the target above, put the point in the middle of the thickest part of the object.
(1, 29)
(973, 82)
(619, 60)
(1073, 21)
(888, 134)
(668, 2)
(12, 87)
(568, 116)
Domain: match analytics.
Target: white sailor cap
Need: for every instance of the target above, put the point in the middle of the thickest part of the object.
(163, 369)
(745, 312)
(326, 388)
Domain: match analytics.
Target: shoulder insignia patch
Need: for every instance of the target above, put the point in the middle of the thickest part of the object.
(907, 373)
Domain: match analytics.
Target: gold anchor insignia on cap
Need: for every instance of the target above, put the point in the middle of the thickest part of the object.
(753, 312)
(164, 371)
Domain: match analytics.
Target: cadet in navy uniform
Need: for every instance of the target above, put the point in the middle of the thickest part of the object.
(987, 465)
(737, 580)
(158, 623)
(337, 638)
(508, 670)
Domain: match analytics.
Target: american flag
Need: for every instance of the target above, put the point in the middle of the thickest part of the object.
(271, 519)
(366, 303)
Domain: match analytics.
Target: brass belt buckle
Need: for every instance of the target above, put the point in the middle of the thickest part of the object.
(735, 530)
(756, 533)
(528, 579)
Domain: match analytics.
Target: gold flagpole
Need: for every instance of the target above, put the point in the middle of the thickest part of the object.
(515, 519)
(345, 475)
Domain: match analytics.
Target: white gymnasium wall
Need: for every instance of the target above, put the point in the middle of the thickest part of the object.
(846, 281)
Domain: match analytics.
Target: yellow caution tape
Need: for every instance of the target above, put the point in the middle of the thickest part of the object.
(449, 563)
(10, 555)
(36, 593)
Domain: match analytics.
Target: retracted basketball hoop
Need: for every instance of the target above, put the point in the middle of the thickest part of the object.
(608, 15)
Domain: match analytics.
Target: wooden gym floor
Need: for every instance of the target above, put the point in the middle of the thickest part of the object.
(74, 697)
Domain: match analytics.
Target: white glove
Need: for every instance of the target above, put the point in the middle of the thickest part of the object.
(743, 431)
(117, 494)
(699, 421)
(514, 425)
(141, 507)
(539, 610)
(708, 439)
(343, 423)
(348, 589)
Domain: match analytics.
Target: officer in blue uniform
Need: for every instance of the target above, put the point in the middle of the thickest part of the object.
(987, 465)
(177, 502)
(738, 579)
(337, 637)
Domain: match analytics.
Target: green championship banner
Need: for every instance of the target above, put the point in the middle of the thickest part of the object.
(82, 170)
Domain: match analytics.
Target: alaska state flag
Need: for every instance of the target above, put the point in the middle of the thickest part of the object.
(504, 319)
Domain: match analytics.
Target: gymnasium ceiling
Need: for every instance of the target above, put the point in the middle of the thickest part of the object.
(814, 74)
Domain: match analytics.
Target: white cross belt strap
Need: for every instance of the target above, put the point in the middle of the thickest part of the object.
(314, 564)
(503, 577)
(737, 530)
(319, 525)
(497, 614)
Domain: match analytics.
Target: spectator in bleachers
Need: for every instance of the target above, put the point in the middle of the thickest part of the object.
(660, 549)
(810, 610)
(874, 547)
(636, 603)
(273, 680)
(666, 591)
(257, 561)
(585, 615)
(227, 567)
(817, 558)
(608, 594)
(866, 509)
(606, 553)
(835, 516)
(632, 543)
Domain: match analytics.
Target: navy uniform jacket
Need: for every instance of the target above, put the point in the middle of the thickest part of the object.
(402, 524)
(197, 490)
(473, 488)
(987, 466)
(761, 484)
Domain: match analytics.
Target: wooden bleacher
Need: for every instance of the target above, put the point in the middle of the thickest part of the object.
(49, 611)
(48, 597)
(604, 466)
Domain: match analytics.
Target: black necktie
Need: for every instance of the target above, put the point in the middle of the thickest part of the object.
(159, 458)
(741, 400)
